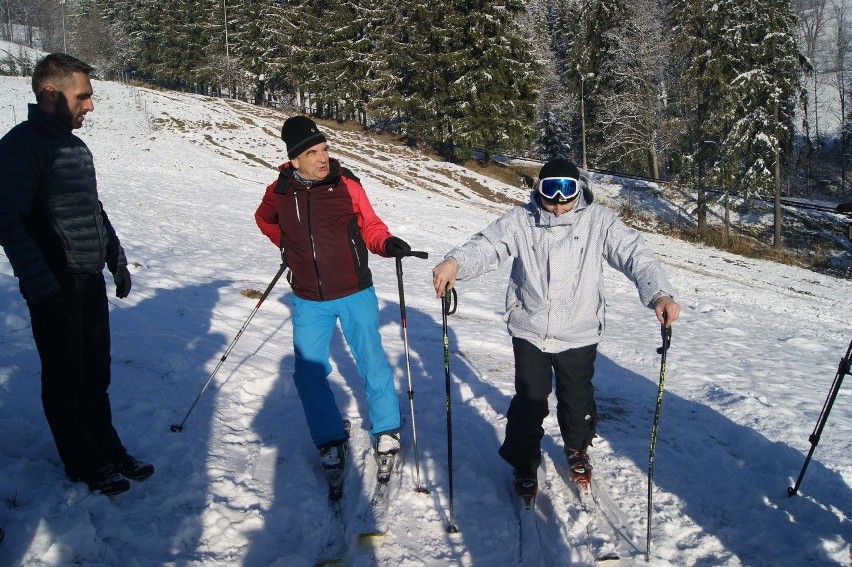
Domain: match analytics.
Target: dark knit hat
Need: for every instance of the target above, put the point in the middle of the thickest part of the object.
(300, 133)
(559, 167)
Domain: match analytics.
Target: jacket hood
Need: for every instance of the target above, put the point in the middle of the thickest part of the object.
(543, 217)
(546, 218)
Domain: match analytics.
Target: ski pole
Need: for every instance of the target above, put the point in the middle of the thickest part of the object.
(842, 370)
(179, 427)
(423, 255)
(448, 306)
(667, 339)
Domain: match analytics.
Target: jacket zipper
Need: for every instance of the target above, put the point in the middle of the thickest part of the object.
(355, 249)
(313, 248)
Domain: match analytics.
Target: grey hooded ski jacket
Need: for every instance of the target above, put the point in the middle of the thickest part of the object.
(555, 297)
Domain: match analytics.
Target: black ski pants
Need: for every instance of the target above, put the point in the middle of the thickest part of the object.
(575, 403)
(73, 342)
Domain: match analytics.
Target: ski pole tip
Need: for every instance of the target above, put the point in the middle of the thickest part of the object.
(175, 428)
(452, 529)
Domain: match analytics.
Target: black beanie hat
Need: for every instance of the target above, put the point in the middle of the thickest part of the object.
(300, 133)
(559, 167)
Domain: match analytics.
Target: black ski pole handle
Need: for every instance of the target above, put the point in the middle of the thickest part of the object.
(418, 254)
(666, 332)
(451, 301)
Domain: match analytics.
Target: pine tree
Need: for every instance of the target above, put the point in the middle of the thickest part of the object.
(472, 79)
(549, 30)
(632, 111)
(700, 72)
(761, 98)
(592, 50)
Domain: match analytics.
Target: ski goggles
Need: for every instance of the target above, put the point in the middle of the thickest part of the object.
(559, 188)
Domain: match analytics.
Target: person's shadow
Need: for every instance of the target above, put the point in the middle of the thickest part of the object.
(469, 416)
(747, 487)
(289, 463)
(728, 477)
(160, 350)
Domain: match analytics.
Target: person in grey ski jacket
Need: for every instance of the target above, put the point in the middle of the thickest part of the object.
(555, 305)
(58, 240)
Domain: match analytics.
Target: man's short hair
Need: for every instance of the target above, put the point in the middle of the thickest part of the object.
(57, 67)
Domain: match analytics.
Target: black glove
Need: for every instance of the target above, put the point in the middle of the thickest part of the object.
(397, 247)
(121, 277)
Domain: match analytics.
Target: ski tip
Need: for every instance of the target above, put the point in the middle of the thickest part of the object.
(528, 501)
(608, 561)
(368, 538)
(327, 562)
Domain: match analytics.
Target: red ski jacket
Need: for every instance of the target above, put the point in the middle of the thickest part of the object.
(324, 232)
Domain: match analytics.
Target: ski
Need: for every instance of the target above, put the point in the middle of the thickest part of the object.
(333, 540)
(583, 487)
(374, 518)
(334, 536)
(529, 540)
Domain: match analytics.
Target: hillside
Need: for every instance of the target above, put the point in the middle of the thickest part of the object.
(751, 363)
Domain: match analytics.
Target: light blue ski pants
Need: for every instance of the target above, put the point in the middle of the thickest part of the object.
(313, 326)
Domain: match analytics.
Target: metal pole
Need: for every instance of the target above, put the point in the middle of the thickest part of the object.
(227, 53)
(64, 44)
(842, 370)
(583, 119)
(419, 487)
(448, 307)
(179, 427)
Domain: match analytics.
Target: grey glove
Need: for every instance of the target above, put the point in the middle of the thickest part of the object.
(121, 276)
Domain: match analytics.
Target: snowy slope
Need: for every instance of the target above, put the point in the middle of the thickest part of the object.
(751, 363)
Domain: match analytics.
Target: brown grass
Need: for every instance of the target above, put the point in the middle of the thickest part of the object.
(251, 293)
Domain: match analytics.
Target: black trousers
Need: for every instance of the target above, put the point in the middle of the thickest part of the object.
(575, 402)
(74, 348)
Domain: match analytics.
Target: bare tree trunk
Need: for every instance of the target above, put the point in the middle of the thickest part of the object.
(843, 41)
(653, 162)
(727, 234)
(702, 199)
(777, 239)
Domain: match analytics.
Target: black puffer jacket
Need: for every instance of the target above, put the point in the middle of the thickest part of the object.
(50, 217)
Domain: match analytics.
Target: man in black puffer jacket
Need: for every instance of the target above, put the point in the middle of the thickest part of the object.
(57, 237)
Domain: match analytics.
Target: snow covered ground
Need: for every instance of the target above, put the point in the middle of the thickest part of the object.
(750, 366)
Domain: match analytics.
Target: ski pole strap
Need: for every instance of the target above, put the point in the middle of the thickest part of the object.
(450, 300)
(666, 332)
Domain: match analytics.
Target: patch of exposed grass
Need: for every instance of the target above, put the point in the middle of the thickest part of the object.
(251, 293)
(743, 241)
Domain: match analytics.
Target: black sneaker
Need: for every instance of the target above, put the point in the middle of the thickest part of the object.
(132, 468)
(105, 480)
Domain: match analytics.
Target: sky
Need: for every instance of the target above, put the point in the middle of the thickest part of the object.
(751, 362)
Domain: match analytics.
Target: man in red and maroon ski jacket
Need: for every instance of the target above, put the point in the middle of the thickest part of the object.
(327, 228)
(319, 216)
